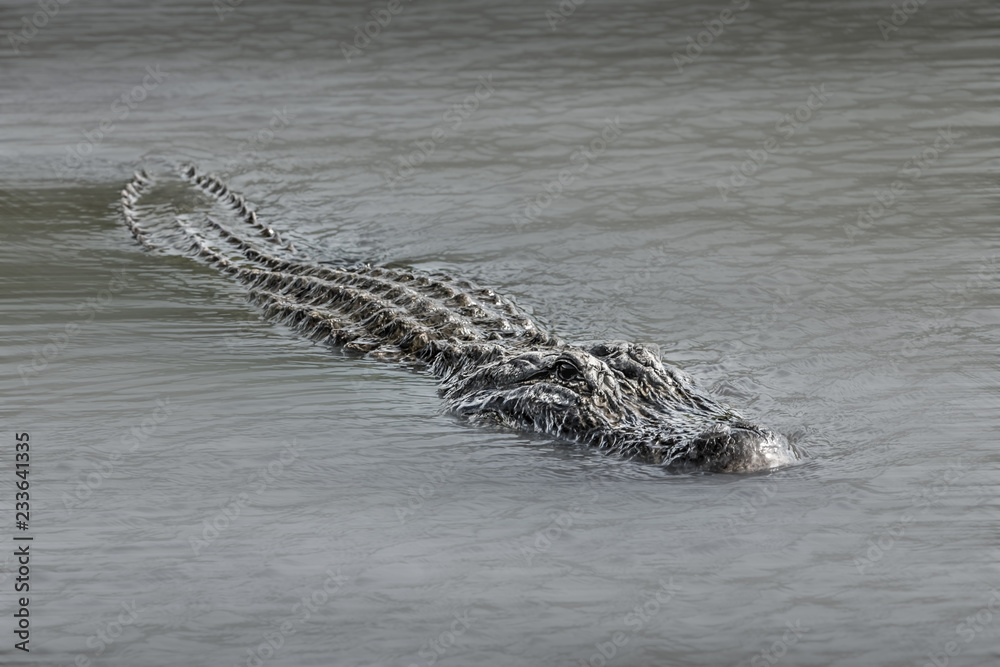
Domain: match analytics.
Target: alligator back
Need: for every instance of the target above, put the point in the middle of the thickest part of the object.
(382, 312)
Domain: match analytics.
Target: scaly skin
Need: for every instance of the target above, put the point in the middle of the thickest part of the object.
(495, 364)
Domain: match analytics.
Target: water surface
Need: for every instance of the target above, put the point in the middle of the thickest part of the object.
(803, 215)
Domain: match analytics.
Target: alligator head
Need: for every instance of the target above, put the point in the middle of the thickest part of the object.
(617, 396)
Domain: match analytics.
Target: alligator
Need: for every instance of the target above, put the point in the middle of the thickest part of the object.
(496, 365)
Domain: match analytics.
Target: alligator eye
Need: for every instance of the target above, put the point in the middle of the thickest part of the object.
(567, 371)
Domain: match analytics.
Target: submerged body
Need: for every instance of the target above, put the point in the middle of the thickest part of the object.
(495, 364)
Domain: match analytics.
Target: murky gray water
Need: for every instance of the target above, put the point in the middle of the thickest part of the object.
(801, 210)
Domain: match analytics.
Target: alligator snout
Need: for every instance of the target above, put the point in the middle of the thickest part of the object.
(740, 447)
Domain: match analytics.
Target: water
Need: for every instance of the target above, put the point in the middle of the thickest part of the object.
(414, 538)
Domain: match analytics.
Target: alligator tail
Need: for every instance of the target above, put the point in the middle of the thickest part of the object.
(386, 313)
